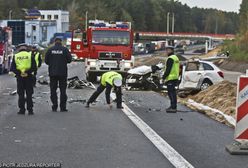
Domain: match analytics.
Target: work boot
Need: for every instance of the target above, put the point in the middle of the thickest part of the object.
(171, 110)
(87, 105)
(30, 112)
(21, 112)
(54, 108)
(63, 110)
(119, 107)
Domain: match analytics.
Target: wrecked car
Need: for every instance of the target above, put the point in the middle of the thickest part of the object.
(194, 75)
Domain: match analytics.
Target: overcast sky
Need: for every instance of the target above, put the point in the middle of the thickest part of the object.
(227, 5)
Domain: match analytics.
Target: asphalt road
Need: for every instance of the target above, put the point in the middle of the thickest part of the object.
(85, 138)
(104, 138)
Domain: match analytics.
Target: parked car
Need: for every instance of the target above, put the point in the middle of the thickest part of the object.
(195, 75)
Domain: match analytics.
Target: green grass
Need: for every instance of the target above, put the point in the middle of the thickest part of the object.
(238, 49)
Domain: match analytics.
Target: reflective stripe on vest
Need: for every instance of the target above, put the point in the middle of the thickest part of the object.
(174, 73)
(23, 61)
(36, 57)
(109, 76)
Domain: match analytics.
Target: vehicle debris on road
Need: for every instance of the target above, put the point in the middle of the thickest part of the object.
(76, 83)
(13, 92)
(43, 80)
(77, 101)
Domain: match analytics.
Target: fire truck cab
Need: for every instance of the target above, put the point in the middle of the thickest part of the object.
(6, 50)
(104, 46)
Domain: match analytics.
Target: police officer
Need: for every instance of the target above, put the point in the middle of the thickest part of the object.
(109, 80)
(57, 58)
(171, 76)
(23, 65)
(38, 60)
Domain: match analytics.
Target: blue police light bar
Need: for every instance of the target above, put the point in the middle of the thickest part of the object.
(102, 24)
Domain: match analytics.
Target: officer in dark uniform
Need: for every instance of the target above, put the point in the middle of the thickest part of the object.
(171, 76)
(23, 66)
(38, 60)
(109, 80)
(57, 58)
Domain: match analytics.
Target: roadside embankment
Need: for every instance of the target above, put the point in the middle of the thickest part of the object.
(231, 65)
(217, 102)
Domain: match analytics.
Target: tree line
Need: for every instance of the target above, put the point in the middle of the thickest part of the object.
(145, 15)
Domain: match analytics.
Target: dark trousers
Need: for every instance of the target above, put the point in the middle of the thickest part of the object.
(34, 79)
(171, 87)
(108, 88)
(25, 92)
(61, 82)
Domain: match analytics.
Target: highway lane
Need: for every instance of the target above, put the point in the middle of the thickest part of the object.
(99, 137)
(85, 138)
(232, 76)
(199, 139)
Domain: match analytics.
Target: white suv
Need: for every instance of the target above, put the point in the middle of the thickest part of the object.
(200, 75)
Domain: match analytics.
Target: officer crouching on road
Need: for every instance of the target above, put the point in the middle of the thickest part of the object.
(38, 60)
(23, 65)
(109, 80)
(171, 76)
(57, 58)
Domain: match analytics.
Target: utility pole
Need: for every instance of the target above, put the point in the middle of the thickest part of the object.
(10, 14)
(86, 20)
(168, 22)
(173, 22)
(95, 15)
(216, 26)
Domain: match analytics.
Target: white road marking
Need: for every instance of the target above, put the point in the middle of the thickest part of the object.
(168, 151)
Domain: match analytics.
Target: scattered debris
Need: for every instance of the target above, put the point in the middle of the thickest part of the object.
(134, 103)
(76, 83)
(77, 101)
(13, 92)
(18, 141)
(43, 80)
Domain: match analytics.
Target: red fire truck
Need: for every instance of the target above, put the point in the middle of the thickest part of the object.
(6, 51)
(105, 46)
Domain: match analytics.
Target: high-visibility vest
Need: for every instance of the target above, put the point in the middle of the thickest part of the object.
(174, 73)
(36, 57)
(23, 61)
(108, 77)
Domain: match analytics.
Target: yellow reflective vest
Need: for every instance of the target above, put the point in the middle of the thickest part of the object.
(36, 57)
(108, 77)
(23, 61)
(174, 73)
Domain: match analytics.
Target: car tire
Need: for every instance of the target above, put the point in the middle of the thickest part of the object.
(206, 84)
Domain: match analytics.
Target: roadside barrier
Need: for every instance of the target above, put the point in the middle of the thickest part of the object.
(240, 146)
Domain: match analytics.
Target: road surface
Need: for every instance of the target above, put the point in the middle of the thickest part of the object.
(104, 138)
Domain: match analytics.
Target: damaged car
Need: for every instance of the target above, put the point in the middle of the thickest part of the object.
(194, 75)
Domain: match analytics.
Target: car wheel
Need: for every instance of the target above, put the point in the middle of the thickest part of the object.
(206, 84)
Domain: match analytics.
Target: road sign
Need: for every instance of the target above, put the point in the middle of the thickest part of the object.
(241, 130)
